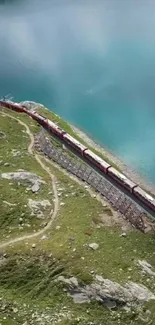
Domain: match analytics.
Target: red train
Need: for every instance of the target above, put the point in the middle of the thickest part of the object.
(95, 160)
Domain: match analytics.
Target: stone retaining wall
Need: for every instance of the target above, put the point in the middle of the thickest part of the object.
(120, 202)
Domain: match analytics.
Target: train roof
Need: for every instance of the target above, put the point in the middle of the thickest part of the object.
(122, 176)
(96, 157)
(67, 135)
(117, 173)
(143, 193)
(51, 123)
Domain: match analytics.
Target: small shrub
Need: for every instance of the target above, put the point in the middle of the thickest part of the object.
(88, 231)
(85, 278)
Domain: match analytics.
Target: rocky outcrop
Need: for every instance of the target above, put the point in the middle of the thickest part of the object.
(146, 267)
(24, 176)
(109, 293)
(36, 206)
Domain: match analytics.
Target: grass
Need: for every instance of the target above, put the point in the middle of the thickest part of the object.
(14, 197)
(28, 291)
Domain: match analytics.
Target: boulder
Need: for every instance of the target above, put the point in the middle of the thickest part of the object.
(146, 267)
(94, 246)
(109, 293)
(24, 176)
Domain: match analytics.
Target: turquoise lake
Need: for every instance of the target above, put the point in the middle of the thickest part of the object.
(92, 62)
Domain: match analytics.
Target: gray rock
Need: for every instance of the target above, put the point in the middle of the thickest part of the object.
(110, 293)
(35, 188)
(123, 234)
(80, 298)
(94, 246)
(16, 154)
(15, 310)
(43, 237)
(36, 206)
(146, 267)
(23, 176)
(72, 281)
(6, 164)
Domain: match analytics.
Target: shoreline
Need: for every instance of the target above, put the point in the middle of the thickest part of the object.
(127, 170)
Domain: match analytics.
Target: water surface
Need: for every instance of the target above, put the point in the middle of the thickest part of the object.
(92, 62)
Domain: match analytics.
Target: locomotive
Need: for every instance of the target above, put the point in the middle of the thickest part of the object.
(99, 163)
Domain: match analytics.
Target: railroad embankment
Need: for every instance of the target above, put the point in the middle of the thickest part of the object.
(66, 256)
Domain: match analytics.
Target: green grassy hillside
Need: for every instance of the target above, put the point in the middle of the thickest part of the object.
(29, 267)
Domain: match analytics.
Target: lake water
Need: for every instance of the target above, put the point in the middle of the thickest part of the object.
(92, 62)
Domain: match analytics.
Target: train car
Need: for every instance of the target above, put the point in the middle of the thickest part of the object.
(143, 196)
(46, 123)
(72, 142)
(121, 179)
(40, 119)
(13, 106)
(96, 160)
(55, 129)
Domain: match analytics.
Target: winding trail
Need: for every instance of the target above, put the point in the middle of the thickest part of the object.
(54, 211)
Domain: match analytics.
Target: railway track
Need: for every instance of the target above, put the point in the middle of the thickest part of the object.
(123, 201)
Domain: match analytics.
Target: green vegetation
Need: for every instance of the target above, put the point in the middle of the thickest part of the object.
(15, 214)
(29, 268)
